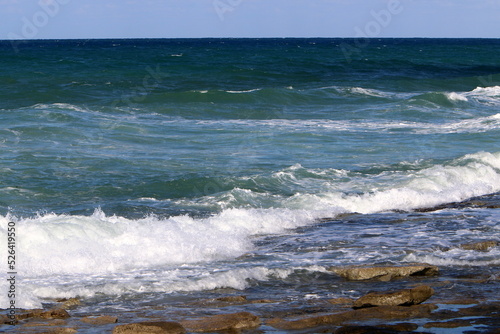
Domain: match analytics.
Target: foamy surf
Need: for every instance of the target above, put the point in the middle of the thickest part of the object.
(58, 244)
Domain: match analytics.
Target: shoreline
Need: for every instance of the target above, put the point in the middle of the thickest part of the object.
(242, 311)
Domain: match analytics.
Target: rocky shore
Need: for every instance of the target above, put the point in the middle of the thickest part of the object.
(409, 298)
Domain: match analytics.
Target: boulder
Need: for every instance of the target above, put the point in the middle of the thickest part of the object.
(385, 273)
(482, 246)
(405, 297)
(160, 327)
(223, 322)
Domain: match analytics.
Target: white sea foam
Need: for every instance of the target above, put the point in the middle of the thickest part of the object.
(368, 92)
(485, 95)
(243, 91)
(472, 175)
(470, 125)
(65, 106)
(456, 97)
(63, 244)
(457, 257)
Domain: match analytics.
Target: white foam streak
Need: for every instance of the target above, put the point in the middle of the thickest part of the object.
(471, 125)
(457, 258)
(472, 175)
(243, 91)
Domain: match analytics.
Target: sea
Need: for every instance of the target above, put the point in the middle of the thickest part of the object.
(156, 172)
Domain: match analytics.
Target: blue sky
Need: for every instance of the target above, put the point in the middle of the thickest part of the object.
(34, 19)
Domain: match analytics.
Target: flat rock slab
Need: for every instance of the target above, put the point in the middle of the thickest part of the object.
(223, 322)
(43, 314)
(160, 327)
(339, 319)
(406, 297)
(372, 330)
(385, 273)
(62, 331)
(456, 323)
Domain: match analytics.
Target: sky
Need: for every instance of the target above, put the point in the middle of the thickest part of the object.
(83, 19)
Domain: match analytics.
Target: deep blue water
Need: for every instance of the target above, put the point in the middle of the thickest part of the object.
(132, 156)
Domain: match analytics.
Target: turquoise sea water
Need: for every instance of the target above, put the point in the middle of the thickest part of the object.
(138, 168)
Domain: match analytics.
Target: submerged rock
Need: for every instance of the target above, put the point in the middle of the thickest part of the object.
(65, 330)
(340, 301)
(385, 273)
(371, 330)
(405, 297)
(69, 303)
(338, 319)
(223, 322)
(480, 246)
(100, 320)
(159, 327)
(455, 323)
(233, 299)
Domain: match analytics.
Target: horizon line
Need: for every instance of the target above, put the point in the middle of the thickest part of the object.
(290, 37)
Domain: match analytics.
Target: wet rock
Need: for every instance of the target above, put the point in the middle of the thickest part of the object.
(54, 314)
(340, 301)
(46, 323)
(449, 324)
(482, 246)
(485, 309)
(367, 330)
(6, 320)
(233, 299)
(65, 330)
(405, 297)
(223, 322)
(402, 327)
(263, 301)
(68, 303)
(57, 313)
(385, 273)
(160, 327)
(395, 312)
(461, 301)
(101, 320)
(338, 319)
